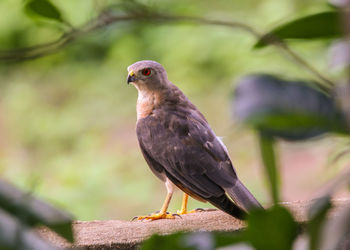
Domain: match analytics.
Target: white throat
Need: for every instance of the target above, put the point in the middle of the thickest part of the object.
(144, 96)
(145, 102)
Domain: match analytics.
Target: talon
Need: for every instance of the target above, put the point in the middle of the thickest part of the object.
(199, 210)
(177, 215)
(134, 218)
(209, 209)
(156, 216)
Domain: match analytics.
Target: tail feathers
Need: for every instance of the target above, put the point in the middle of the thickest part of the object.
(226, 205)
(242, 197)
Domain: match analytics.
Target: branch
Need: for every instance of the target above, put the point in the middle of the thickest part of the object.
(116, 234)
(107, 18)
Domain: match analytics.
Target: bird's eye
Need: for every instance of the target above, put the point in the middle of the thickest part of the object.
(146, 72)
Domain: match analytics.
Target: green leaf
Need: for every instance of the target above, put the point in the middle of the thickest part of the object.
(271, 229)
(43, 9)
(317, 215)
(223, 239)
(171, 242)
(33, 211)
(321, 25)
(189, 241)
(268, 157)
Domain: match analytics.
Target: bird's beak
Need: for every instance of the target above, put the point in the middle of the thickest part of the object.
(131, 77)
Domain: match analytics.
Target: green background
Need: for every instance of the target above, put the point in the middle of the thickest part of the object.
(67, 121)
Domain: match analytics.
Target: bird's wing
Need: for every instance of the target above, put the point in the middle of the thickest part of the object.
(187, 151)
(183, 147)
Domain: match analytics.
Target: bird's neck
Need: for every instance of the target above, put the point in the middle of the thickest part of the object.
(146, 102)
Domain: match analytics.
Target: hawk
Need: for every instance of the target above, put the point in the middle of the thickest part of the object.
(180, 147)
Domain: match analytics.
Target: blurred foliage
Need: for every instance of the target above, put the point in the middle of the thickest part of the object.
(20, 212)
(289, 110)
(67, 120)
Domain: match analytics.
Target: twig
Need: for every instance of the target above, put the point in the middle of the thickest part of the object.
(272, 40)
(106, 18)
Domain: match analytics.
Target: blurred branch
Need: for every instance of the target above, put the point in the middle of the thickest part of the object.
(143, 13)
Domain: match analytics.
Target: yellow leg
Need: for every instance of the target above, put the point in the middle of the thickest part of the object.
(166, 203)
(183, 209)
(162, 213)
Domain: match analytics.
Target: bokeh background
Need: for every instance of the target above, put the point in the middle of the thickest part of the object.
(67, 120)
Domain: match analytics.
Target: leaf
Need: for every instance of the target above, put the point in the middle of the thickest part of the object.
(43, 9)
(268, 157)
(171, 242)
(189, 241)
(271, 229)
(290, 110)
(223, 239)
(317, 26)
(33, 211)
(16, 235)
(317, 215)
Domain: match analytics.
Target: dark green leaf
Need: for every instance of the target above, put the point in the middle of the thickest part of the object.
(317, 215)
(316, 26)
(44, 9)
(271, 229)
(290, 110)
(268, 157)
(32, 211)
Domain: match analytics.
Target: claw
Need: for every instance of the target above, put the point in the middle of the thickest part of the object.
(208, 209)
(177, 215)
(155, 216)
(199, 210)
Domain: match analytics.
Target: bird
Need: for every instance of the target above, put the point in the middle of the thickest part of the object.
(181, 149)
(291, 110)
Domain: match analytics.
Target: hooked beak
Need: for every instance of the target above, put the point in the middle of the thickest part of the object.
(131, 77)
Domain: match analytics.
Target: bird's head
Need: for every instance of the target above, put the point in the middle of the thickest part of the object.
(147, 75)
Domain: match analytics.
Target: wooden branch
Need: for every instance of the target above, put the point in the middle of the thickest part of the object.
(116, 234)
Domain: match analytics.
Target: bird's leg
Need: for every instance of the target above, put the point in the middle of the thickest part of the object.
(183, 209)
(162, 214)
